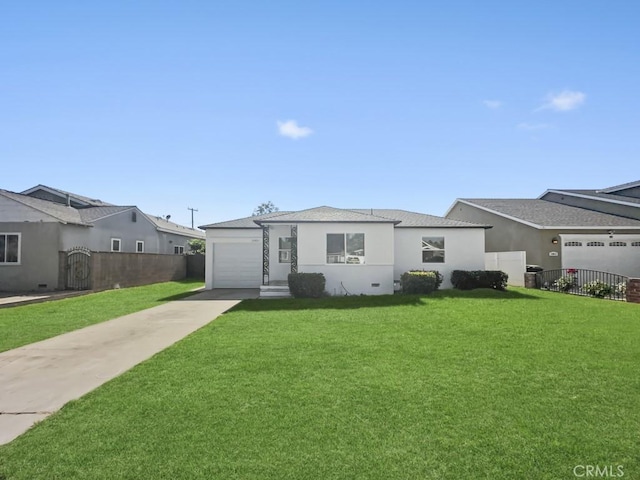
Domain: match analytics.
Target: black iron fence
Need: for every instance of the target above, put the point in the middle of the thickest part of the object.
(584, 282)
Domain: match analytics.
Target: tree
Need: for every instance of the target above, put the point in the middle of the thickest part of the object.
(197, 245)
(266, 207)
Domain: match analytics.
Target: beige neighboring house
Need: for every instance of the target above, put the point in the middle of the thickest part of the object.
(590, 229)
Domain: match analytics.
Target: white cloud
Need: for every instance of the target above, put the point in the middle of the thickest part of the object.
(291, 129)
(493, 104)
(530, 127)
(563, 101)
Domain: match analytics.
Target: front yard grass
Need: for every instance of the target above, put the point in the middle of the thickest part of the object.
(26, 324)
(458, 385)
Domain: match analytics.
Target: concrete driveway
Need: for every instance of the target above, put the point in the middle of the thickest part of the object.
(38, 379)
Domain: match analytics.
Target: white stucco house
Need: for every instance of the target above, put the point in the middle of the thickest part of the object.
(359, 251)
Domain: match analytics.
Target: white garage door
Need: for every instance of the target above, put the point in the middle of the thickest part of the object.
(237, 265)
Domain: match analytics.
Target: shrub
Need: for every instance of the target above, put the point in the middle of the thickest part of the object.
(470, 279)
(566, 283)
(597, 288)
(306, 285)
(420, 281)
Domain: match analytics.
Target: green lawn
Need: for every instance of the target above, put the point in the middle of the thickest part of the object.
(517, 385)
(32, 323)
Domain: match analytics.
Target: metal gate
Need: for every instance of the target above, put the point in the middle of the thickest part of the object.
(78, 269)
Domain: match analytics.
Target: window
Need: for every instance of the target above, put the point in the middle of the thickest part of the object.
(432, 249)
(284, 250)
(116, 245)
(178, 249)
(139, 246)
(595, 244)
(345, 248)
(635, 244)
(617, 244)
(9, 248)
(572, 244)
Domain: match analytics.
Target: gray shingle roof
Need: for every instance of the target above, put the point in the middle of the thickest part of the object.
(329, 214)
(58, 211)
(91, 214)
(549, 214)
(401, 218)
(416, 220)
(167, 226)
(246, 222)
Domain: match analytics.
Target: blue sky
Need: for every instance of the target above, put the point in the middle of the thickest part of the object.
(221, 106)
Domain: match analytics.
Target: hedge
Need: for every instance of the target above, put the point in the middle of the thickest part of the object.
(306, 285)
(420, 281)
(470, 279)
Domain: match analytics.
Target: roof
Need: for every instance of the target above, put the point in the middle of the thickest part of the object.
(58, 211)
(93, 202)
(327, 214)
(93, 209)
(420, 220)
(545, 214)
(624, 186)
(91, 214)
(165, 225)
(599, 194)
(400, 218)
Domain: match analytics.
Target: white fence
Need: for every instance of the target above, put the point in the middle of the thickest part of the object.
(513, 264)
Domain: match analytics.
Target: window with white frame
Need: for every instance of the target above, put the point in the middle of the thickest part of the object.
(10, 248)
(116, 245)
(178, 249)
(432, 249)
(347, 248)
(617, 244)
(284, 250)
(139, 246)
(595, 244)
(572, 244)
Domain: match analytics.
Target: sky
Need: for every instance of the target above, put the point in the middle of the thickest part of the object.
(223, 105)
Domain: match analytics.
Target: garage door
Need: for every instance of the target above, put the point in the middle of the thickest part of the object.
(237, 265)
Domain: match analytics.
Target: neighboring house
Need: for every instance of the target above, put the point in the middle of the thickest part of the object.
(358, 251)
(591, 229)
(37, 224)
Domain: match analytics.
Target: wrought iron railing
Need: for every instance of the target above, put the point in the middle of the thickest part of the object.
(578, 281)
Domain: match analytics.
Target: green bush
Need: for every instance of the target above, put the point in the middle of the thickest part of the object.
(598, 288)
(306, 285)
(420, 281)
(471, 279)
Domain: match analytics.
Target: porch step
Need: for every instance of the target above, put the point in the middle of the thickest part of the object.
(274, 291)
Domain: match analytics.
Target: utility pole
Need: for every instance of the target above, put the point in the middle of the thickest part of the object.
(192, 210)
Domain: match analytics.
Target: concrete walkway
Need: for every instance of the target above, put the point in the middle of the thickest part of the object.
(38, 379)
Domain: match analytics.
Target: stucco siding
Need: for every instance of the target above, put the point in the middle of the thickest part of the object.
(121, 226)
(463, 250)
(12, 211)
(374, 277)
(38, 267)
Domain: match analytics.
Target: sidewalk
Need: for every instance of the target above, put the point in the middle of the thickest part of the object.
(38, 379)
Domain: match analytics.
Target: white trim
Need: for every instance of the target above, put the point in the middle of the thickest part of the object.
(178, 247)
(624, 186)
(588, 197)
(19, 262)
(119, 245)
(139, 242)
